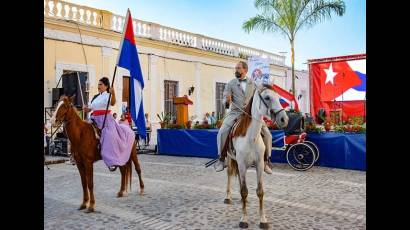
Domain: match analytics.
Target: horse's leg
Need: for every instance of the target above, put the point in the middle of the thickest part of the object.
(244, 194)
(86, 198)
(123, 181)
(259, 191)
(90, 184)
(228, 199)
(137, 168)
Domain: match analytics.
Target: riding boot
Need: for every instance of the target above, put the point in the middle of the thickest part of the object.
(266, 168)
(220, 165)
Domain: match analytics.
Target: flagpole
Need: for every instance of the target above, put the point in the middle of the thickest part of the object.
(115, 70)
(109, 96)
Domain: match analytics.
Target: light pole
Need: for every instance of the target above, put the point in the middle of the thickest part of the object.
(283, 53)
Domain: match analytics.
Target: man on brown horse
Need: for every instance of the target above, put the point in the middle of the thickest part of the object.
(237, 93)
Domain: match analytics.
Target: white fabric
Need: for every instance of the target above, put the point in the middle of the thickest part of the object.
(243, 85)
(100, 102)
(137, 96)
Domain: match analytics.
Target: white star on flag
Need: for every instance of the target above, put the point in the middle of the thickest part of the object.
(330, 75)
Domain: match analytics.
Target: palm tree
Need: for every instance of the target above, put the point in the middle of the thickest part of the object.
(289, 16)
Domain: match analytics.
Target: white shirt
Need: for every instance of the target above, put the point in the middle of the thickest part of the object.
(100, 102)
(243, 85)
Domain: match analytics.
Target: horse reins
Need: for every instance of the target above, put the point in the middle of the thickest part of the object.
(274, 113)
(259, 94)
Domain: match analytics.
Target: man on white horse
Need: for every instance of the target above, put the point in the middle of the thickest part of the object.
(237, 93)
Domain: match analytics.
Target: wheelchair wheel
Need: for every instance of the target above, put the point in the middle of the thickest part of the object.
(314, 147)
(300, 156)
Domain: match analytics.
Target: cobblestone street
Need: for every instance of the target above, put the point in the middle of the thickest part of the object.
(180, 193)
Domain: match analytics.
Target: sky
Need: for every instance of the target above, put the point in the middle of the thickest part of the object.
(223, 19)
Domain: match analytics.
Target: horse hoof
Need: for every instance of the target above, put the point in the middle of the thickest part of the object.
(243, 224)
(90, 210)
(120, 194)
(141, 193)
(264, 225)
(228, 201)
(83, 206)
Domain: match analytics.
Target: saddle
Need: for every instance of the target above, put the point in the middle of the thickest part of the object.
(97, 132)
(228, 146)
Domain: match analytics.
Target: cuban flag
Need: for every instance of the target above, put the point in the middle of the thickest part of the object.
(128, 59)
(286, 98)
(339, 84)
(357, 92)
(343, 80)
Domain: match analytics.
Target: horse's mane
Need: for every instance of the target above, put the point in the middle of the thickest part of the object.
(244, 120)
(76, 114)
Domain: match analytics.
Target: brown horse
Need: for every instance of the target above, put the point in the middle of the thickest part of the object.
(84, 149)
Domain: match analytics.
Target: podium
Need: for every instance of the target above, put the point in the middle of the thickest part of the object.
(182, 109)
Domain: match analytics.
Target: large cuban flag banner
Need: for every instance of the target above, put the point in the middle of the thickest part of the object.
(339, 84)
(128, 59)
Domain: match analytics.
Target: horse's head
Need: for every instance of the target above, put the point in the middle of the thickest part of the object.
(271, 107)
(64, 105)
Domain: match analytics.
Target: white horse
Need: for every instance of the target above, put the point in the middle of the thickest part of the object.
(249, 146)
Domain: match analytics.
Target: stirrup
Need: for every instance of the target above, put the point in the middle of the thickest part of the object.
(112, 168)
(220, 162)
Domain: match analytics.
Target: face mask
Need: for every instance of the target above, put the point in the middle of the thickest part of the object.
(237, 74)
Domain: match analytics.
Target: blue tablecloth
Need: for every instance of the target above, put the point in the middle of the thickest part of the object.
(188, 142)
(339, 150)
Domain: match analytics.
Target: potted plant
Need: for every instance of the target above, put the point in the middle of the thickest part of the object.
(163, 120)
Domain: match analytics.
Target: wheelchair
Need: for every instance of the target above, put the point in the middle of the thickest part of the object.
(301, 154)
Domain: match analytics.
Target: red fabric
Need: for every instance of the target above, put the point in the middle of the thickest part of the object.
(129, 31)
(323, 94)
(349, 108)
(128, 117)
(344, 79)
(100, 112)
(285, 94)
(291, 139)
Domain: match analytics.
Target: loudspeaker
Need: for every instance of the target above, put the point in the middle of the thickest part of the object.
(56, 93)
(70, 83)
(71, 87)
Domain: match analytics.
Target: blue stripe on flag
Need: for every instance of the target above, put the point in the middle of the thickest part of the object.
(129, 60)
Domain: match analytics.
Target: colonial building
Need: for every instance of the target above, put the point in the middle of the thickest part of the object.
(84, 40)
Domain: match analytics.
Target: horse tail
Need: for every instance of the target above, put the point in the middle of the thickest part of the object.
(232, 167)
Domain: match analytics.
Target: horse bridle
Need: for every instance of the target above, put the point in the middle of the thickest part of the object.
(64, 121)
(266, 105)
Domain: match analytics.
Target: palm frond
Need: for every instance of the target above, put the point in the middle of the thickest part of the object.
(319, 11)
(263, 24)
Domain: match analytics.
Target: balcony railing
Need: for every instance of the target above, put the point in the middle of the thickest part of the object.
(106, 20)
